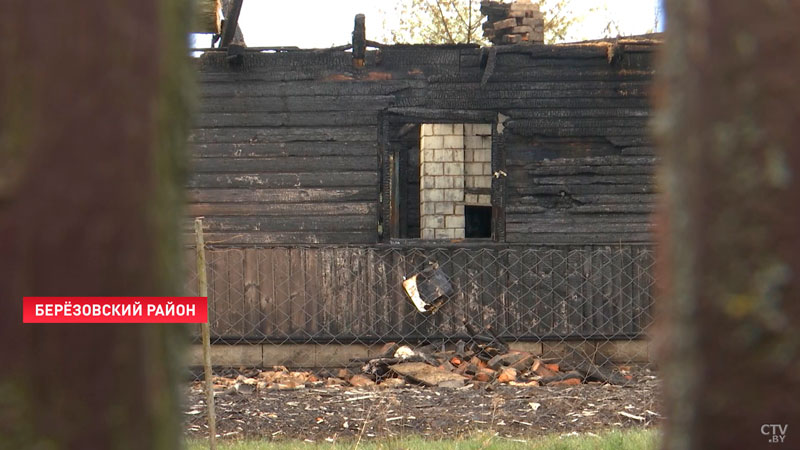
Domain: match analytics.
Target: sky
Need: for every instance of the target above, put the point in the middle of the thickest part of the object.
(325, 23)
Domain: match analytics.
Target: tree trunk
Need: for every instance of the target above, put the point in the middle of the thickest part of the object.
(92, 127)
(730, 302)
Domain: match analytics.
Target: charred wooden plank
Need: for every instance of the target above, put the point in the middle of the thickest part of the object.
(284, 119)
(251, 311)
(287, 237)
(256, 135)
(621, 228)
(575, 299)
(284, 149)
(282, 195)
(544, 238)
(224, 224)
(235, 86)
(268, 307)
(283, 180)
(298, 104)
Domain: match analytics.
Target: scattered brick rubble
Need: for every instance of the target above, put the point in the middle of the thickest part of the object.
(481, 365)
(513, 23)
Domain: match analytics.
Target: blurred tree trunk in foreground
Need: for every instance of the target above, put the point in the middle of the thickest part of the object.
(92, 128)
(730, 130)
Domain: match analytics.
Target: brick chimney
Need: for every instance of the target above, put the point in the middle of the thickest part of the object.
(519, 22)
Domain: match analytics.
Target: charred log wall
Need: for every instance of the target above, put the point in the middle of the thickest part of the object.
(286, 146)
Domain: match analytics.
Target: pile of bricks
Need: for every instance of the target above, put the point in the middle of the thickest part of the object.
(513, 23)
(483, 360)
(489, 362)
(399, 366)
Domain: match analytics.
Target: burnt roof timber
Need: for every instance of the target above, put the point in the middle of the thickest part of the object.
(231, 22)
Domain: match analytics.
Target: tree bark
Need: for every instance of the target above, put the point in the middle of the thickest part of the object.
(93, 108)
(730, 269)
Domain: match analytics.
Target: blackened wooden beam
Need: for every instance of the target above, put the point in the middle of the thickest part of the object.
(490, 65)
(231, 22)
(359, 41)
(236, 54)
(238, 37)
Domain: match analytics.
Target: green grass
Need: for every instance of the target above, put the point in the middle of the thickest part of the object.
(613, 440)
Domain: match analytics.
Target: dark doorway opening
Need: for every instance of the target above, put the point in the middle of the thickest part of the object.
(404, 141)
(478, 221)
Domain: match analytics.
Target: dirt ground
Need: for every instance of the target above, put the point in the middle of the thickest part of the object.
(331, 413)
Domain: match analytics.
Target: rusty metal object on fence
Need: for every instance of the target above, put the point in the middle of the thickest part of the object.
(428, 289)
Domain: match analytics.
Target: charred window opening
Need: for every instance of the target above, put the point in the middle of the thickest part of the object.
(478, 221)
(439, 171)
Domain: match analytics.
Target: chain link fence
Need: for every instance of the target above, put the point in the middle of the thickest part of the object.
(538, 298)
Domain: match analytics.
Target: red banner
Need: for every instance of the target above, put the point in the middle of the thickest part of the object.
(114, 309)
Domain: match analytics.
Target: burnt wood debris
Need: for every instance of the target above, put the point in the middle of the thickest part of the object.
(486, 358)
(305, 167)
(483, 362)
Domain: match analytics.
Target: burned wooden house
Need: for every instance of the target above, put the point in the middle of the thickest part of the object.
(525, 172)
